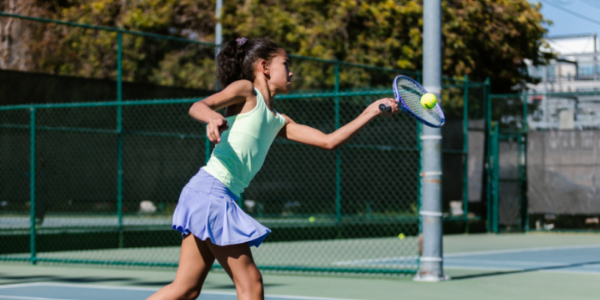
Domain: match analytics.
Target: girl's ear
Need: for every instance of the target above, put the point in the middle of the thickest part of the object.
(264, 67)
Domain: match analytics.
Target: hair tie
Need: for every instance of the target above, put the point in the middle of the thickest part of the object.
(241, 41)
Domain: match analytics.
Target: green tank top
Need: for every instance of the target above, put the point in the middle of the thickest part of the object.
(244, 146)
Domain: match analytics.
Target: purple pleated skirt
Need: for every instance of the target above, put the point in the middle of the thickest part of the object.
(208, 210)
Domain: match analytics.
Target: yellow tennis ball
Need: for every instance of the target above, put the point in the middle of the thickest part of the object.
(311, 219)
(401, 236)
(428, 100)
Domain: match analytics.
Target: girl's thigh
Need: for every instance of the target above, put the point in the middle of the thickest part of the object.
(237, 261)
(195, 260)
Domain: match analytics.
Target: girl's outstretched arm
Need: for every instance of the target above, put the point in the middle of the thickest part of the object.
(205, 111)
(314, 137)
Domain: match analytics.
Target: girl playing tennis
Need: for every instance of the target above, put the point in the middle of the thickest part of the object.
(252, 72)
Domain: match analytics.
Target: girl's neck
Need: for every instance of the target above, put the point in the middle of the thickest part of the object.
(267, 92)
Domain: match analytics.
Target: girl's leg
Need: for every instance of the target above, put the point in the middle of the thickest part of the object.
(238, 263)
(195, 260)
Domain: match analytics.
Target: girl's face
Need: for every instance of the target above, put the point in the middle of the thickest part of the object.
(278, 73)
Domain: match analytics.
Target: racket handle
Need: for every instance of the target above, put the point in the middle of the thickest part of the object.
(384, 107)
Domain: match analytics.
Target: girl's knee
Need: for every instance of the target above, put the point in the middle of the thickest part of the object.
(256, 277)
(176, 291)
(186, 291)
(191, 294)
(251, 286)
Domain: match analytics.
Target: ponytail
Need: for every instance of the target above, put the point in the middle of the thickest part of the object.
(236, 59)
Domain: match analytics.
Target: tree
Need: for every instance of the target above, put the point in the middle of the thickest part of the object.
(17, 37)
(481, 38)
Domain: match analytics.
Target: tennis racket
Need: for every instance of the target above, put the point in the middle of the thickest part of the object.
(408, 93)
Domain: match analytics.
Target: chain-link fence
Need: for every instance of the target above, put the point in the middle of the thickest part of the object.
(547, 161)
(97, 182)
(507, 182)
(329, 211)
(463, 154)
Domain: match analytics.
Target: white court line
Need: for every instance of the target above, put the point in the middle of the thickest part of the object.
(31, 298)
(134, 288)
(520, 250)
(409, 258)
(572, 272)
(303, 297)
(79, 286)
(5, 286)
(465, 262)
(373, 260)
(513, 269)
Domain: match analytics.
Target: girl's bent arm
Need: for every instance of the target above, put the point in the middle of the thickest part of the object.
(204, 111)
(237, 92)
(313, 137)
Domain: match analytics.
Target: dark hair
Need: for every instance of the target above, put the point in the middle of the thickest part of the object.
(236, 59)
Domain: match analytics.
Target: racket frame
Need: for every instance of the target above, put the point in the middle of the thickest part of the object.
(405, 107)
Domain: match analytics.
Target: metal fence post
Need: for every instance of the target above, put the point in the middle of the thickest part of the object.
(523, 170)
(495, 174)
(32, 229)
(419, 183)
(338, 152)
(466, 153)
(487, 108)
(120, 138)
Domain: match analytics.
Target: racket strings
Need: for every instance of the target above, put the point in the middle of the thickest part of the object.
(411, 95)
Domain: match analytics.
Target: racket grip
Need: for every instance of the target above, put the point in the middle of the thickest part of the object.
(384, 107)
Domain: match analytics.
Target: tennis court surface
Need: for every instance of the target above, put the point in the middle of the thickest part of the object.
(482, 266)
(584, 259)
(58, 291)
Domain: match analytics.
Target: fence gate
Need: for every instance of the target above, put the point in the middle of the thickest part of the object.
(512, 200)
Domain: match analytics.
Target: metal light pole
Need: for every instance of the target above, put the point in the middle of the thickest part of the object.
(218, 42)
(218, 35)
(431, 266)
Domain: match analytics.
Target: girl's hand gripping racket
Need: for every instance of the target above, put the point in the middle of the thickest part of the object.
(408, 93)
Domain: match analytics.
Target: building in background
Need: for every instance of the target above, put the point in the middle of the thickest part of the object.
(575, 74)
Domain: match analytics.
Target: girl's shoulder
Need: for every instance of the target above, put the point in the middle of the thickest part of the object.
(242, 88)
(244, 91)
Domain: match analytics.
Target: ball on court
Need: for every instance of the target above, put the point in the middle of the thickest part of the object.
(428, 100)
(311, 219)
(401, 236)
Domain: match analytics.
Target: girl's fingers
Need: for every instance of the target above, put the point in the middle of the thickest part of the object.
(210, 131)
(214, 129)
(393, 105)
(217, 136)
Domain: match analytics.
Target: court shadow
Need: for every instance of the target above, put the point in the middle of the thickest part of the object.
(151, 283)
(93, 279)
(232, 287)
(34, 277)
(52, 278)
(497, 273)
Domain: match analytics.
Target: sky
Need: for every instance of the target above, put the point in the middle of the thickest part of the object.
(569, 24)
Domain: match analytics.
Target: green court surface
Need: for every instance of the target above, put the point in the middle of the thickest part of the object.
(505, 266)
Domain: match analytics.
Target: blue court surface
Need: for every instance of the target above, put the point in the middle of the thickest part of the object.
(58, 291)
(573, 259)
(545, 266)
